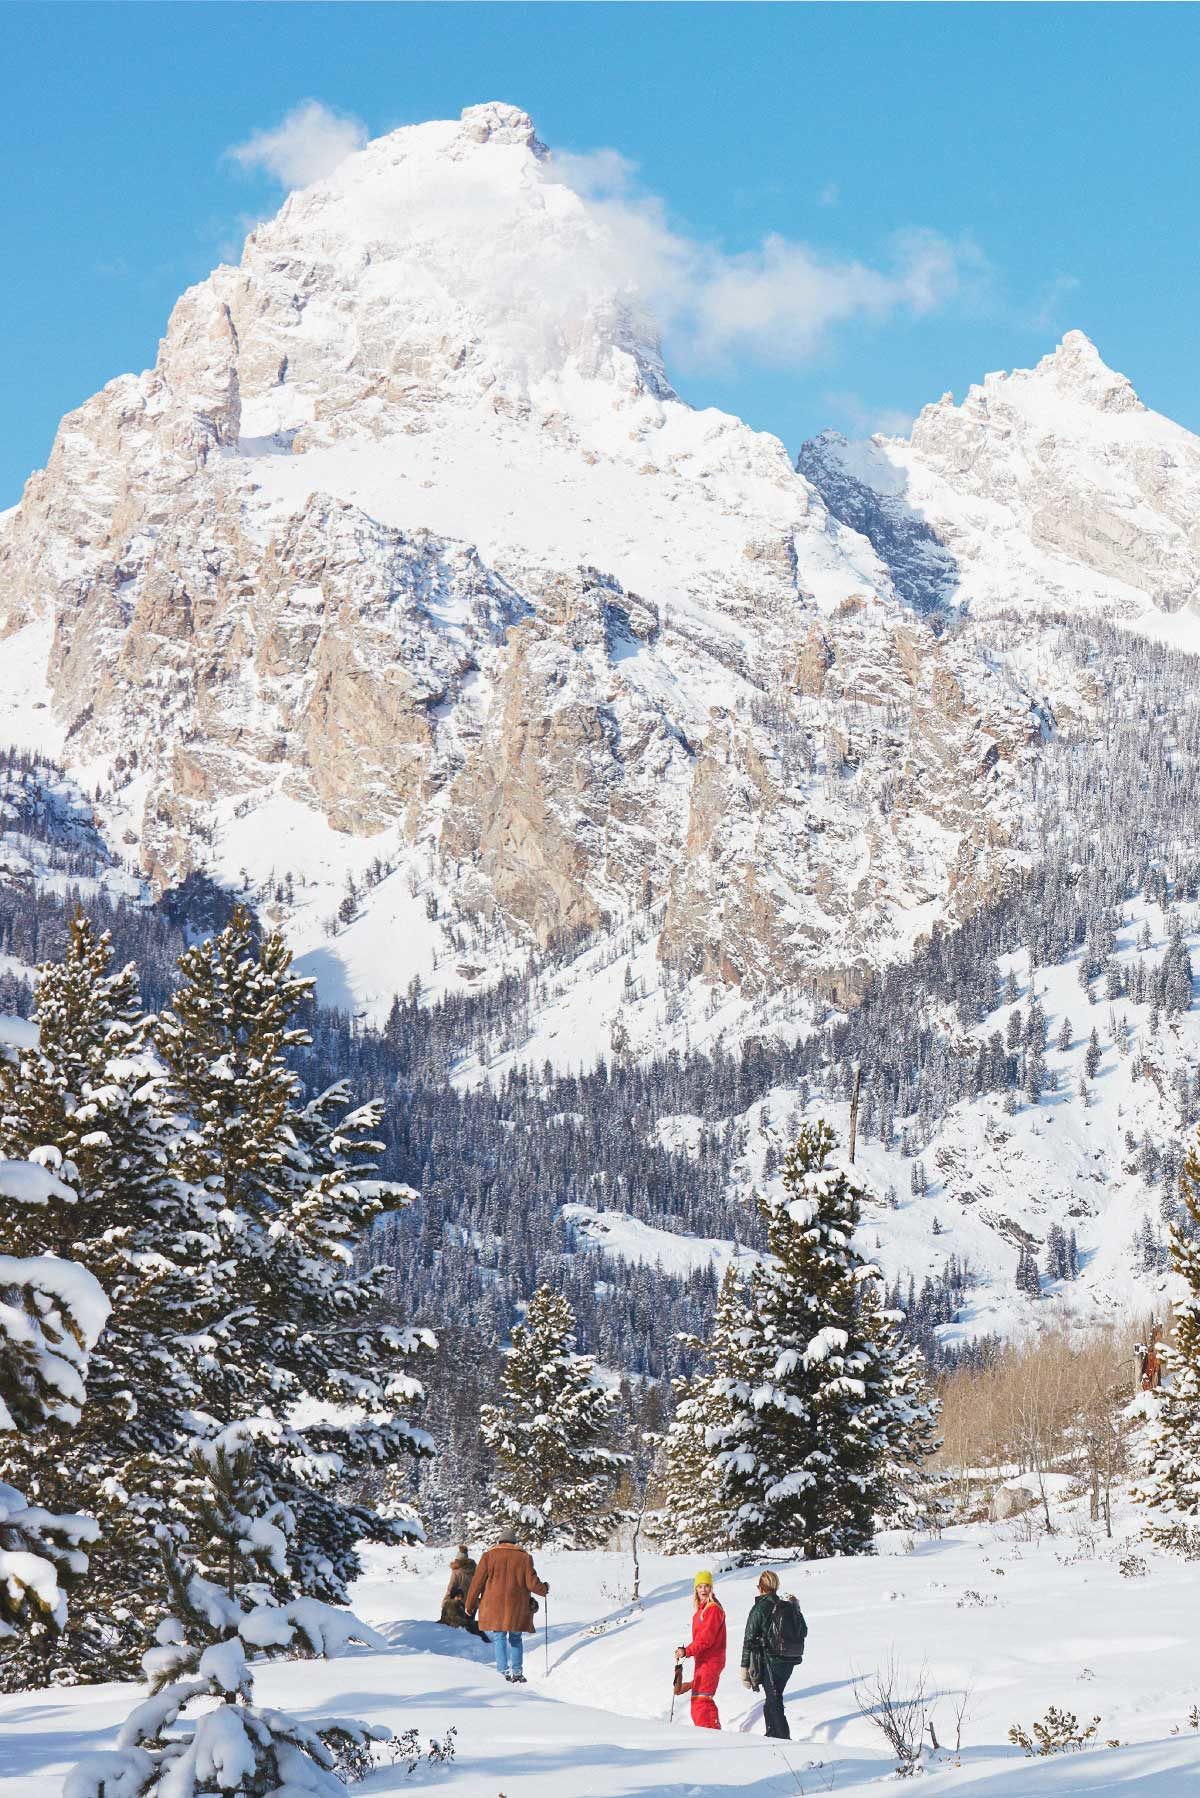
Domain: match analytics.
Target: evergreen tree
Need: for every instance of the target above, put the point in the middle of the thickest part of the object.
(695, 1513)
(292, 1323)
(1028, 1278)
(51, 1315)
(89, 1100)
(814, 1416)
(1172, 1488)
(1092, 1057)
(225, 1617)
(555, 1471)
(909, 1416)
(453, 1484)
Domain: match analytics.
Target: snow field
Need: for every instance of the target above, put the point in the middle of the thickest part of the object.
(1017, 1624)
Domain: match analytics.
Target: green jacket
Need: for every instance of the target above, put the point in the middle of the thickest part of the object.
(754, 1640)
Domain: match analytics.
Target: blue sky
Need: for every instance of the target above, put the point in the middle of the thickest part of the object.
(1047, 154)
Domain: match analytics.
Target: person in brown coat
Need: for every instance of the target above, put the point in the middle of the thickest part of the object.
(502, 1595)
(454, 1604)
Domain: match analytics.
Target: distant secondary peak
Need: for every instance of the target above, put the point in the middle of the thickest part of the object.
(496, 122)
(1078, 366)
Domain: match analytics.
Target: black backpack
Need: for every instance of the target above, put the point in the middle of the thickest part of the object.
(786, 1631)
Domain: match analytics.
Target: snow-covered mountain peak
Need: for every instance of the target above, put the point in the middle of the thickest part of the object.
(1073, 375)
(1052, 487)
(405, 556)
(496, 121)
(1077, 369)
(447, 258)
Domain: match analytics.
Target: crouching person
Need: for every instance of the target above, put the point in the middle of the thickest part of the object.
(771, 1647)
(454, 1604)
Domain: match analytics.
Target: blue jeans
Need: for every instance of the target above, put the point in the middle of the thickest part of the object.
(510, 1650)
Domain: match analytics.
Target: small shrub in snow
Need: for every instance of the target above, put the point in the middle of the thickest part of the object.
(1057, 1733)
(898, 1710)
(1132, 1567)
(1182, 1539)
(407, 1749)
(356, 1758)
(971, 1598)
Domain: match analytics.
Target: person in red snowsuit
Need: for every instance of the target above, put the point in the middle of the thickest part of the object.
(707, 1649)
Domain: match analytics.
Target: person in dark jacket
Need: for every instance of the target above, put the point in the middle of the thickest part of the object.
(454, 1604)
(760, 1668)
(502, 1594)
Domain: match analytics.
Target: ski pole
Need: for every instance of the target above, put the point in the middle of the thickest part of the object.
(547, 1636)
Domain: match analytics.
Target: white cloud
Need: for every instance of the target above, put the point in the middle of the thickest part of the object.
(830, 194)
(776, 303)
(305, 147)
(1051, 307)
(859, 419)
(600, 258)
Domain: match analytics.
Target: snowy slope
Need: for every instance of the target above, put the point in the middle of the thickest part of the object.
(50, 840)
(629, 1239)
(998, 1180)
(1016, 1625)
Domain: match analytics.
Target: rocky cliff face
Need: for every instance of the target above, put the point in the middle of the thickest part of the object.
(406, 537)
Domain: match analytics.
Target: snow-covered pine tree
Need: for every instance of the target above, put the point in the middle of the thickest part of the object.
(88, 1101)
(453, 1485)
(225, 1617)
(695, 1513)
(550, 1433)
(293, 1322)
(1058, 1253)
(909, 1414)
(51, 1315)
(806, 1452)
(1029, 1280)
(1172, 1486)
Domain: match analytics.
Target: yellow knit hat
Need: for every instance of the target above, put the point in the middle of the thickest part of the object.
(703, 1578)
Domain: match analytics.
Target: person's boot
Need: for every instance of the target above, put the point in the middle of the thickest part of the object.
(518, 1679)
